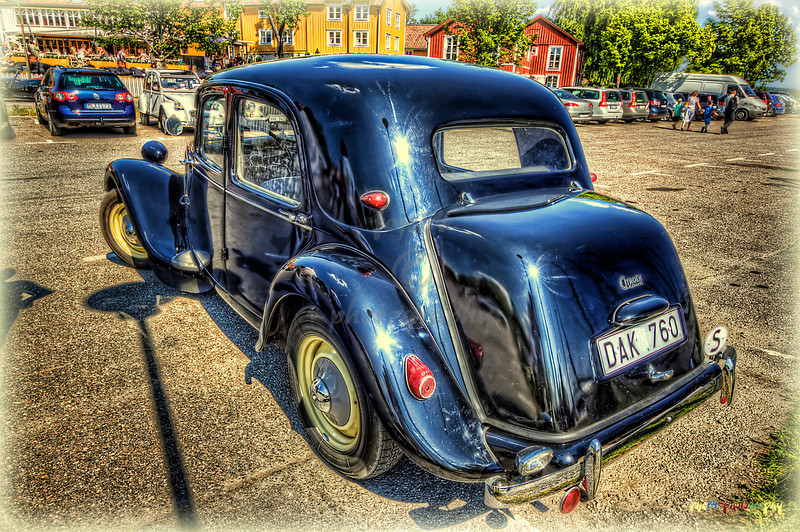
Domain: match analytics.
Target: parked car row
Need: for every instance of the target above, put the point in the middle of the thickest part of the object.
(69, 98)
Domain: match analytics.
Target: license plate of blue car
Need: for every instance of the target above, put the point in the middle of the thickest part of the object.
(98, 105)
(630, 345)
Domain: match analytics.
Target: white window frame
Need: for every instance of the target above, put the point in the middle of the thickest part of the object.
(450, 47)
(396, 43)
(361, 13)
(288, 36)
(397, 21)
(388, 17)
(548, 77)
(334, 12)
(265, 37)
(359, 35)
(554, 64)
(334, 37)
(388, 41)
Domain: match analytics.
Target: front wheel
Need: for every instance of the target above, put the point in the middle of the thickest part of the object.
(119, 233)
(741, 114)
(162, 122)
(338, 419)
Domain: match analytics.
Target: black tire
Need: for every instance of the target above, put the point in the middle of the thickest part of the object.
(359, 446)
(129, 130)
(55, 131)
(602, 121)
(144, 119)
(119, 233)
(162, 122)
(39, 116)
(742, 114)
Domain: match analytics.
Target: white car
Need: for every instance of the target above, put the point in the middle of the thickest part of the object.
(168, 93)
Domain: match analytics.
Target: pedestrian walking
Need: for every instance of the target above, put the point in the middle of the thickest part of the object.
(729, 115)
(676, 112)
(708, 115)
(689, 111)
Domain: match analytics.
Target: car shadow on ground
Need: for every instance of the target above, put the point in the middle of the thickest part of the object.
(447, 503)
(14, 297)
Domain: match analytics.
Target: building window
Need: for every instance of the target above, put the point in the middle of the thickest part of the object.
(554, 58)
(262, 14)
(288, 36)
(334, 12)
(388, 45)
(388, 17)
(551, 80)
(397, 20)
(361, 13)
(451, 47)
(396, 43)
(361, 38)
(334, 37)
(265, 37)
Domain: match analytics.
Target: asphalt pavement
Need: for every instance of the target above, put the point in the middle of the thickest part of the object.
(129, 404)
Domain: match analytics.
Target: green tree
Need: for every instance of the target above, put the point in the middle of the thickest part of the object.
(750, 42)
(437, 17)
(492, 32)
(282, 15)
(411, 14)
(163, 26)
(629, 41)
(206, 30)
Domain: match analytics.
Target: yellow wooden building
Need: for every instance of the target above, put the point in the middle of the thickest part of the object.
(331, 27)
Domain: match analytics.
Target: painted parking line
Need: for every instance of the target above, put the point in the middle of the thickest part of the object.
(695, 164)
(95, 258)
(793, 149)
(646, 172)
(765, 154)
(52, 142)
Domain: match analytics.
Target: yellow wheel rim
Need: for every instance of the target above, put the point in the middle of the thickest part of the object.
(328, 393)
(123, 233)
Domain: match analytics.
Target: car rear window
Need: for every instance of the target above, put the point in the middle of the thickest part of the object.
(177, 83)
(95, 82)
(613, 96)
(591, 95)
(471, 152)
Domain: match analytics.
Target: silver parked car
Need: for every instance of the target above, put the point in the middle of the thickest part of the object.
(579, 110)
(607, 102)
(635, 105)
(168, 93)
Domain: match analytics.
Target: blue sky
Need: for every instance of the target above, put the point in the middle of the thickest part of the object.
(790, 8)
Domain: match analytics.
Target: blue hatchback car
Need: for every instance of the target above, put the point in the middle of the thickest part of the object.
(81, 97)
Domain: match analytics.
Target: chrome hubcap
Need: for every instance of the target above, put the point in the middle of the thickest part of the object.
(329, 393)
(127, 230)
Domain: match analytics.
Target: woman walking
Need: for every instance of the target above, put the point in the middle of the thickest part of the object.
(689, 110)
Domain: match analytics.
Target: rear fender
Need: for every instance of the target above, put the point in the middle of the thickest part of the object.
(152, 196)
(377, 322)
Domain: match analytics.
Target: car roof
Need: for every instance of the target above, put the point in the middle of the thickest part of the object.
(171, 72)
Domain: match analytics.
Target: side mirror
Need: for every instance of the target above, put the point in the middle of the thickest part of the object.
(154, 152)
(173, 126)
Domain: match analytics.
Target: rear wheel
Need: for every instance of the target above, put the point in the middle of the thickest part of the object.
(55, 131)
(338, 419)
(39, 116)
(119, 233)
(602, 121)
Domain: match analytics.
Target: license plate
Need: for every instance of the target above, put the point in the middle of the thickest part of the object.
(94, 105)
(613, 106)
(629, 346)
(583, 115)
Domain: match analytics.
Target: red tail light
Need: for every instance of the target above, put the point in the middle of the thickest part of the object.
(570, 104)
(633, 105)
(570, 500)
(419, 378)
(123, 97)
(65, 96)
(654, 102)
(377, 200)
(603, 102)
(593, 176)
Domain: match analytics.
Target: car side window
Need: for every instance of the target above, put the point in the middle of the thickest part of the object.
(211, 131)
(267, 156)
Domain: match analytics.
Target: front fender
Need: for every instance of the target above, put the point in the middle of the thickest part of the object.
(152, 194)
(379, 325)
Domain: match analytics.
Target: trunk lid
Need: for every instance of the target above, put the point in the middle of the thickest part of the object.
(543, 286)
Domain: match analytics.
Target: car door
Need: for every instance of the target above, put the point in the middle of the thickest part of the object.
(206, 187)
(266, 217)
(42, 93)
(156, 96)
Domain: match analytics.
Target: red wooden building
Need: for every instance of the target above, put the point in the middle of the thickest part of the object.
(555, 59)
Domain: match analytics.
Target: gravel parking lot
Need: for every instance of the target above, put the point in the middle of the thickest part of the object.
(128, 404)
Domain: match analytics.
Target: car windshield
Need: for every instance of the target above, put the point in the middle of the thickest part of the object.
(91, 81)
(744, 87)
(175, 83)
(495, 150)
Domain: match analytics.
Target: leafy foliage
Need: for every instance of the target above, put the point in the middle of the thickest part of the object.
(750, 42)
(439, 16)
(629, 41)
(282, 15)
(164, 26)
(492, 32)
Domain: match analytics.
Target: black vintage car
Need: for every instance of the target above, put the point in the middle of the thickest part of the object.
(423, 238)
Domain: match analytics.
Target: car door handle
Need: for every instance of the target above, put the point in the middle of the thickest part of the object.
(298, 218)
